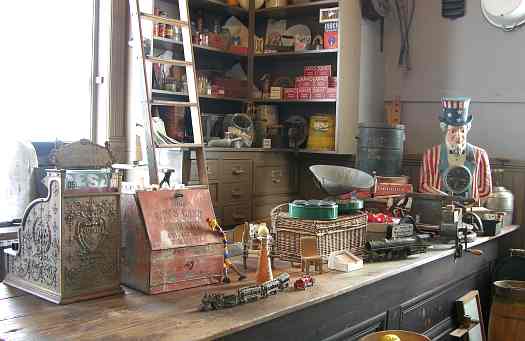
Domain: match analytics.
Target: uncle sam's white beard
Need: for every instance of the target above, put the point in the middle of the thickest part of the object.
(456, 148)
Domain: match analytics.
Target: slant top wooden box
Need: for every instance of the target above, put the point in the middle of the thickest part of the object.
(167, 244)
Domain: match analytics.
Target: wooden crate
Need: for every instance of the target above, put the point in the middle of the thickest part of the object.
(167, 242)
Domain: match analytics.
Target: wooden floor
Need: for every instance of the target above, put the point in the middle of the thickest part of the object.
(175, 316)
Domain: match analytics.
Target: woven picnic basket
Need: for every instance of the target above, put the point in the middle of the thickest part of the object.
(347, 232)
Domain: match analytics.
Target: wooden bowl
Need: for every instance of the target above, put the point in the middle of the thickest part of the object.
(403, 336)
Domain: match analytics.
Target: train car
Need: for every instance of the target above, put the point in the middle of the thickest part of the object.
(270, 288)
(303, 282)
(385, 250)
(284, 280)
(218, 301)
(249, 294)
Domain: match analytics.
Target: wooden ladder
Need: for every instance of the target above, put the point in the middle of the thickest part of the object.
(146, 99)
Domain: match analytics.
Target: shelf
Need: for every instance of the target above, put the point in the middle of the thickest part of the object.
(223, 98)
(160, 103)
(279, 150)
(268, 100)
(216, 50)
(307, 53)
(180, 145)
(219, 6)
(168, 44)
(310, 8)
(168, 61)
(167, 92)
(163, 20)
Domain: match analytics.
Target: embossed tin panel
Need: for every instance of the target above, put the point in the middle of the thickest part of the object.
(177, 219)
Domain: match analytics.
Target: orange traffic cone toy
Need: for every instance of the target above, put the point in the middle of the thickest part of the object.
(264, 268)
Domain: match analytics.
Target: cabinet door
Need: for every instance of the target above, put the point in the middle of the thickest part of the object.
(355, 332)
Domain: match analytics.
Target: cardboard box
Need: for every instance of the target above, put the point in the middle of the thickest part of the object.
(217, 90)
(305, 93)
(318, 70)
(331, 40)
(331, 93)
(320, 82)
(332, 82)
(304, 82)
(276, 92)
(291, 93)
(319, 93)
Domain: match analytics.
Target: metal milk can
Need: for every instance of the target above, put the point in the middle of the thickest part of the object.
(501, 199)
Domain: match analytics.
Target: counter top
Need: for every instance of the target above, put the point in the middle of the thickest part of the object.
(175, 316)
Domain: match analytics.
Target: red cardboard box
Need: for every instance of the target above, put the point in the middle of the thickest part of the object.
(304, 82)
(318, 70)
(331, 93)
(332, 82)
(319, 93)
(291, 93)
(217, 90)
(304, 93)
(320, 82)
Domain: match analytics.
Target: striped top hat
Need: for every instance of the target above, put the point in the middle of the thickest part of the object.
(455, 111)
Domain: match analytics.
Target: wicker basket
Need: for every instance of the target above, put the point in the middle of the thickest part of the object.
(348, 232)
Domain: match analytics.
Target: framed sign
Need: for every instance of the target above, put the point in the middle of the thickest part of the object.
(470, 318)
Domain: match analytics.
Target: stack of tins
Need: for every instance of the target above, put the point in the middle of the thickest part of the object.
(321, 135)
(507, 321)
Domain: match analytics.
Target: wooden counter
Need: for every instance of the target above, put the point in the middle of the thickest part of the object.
(413, 294)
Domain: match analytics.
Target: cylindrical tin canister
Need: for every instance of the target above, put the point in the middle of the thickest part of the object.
(321, 135)
(380, 148)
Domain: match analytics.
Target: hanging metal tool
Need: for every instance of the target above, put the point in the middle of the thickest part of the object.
(405, 10)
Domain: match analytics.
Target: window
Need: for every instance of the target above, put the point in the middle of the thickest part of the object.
(47, 62)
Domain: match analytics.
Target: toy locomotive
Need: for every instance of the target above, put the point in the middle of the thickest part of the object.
(392, 249)
(246, 294)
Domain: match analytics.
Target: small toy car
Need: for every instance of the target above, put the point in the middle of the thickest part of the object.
(303, 282)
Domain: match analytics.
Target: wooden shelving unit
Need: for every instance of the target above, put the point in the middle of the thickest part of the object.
(297, 53)
(296, 10)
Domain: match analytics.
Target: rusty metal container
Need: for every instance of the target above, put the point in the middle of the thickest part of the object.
(68, 243)
(167, 244)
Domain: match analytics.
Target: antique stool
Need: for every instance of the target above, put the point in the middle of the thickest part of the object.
(310, 255)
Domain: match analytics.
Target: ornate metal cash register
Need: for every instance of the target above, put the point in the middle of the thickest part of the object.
(68, 243)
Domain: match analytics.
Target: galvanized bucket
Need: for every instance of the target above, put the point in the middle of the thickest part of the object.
(380, 148)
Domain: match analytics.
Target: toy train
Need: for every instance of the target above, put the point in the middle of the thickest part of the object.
(246, 294)
(393, 249)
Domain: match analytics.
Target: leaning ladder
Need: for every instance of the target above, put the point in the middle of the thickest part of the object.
(145, 94)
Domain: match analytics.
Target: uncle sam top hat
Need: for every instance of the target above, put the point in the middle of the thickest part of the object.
(455, 111)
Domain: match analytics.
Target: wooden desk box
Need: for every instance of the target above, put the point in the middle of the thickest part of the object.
(167, 243)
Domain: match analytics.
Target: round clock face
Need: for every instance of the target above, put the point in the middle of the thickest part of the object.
(458, 179)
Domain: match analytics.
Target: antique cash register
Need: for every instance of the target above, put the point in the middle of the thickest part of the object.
(68, 242)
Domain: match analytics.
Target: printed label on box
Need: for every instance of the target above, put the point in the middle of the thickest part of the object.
(319, 93)
(305, 93)
(291, 93)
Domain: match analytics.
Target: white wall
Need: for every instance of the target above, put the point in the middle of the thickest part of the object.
(462, 57)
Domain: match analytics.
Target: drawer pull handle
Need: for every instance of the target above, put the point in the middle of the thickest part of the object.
(238, 217)
(238, 171)
(178, 195)
(236, 193)
(276, 181)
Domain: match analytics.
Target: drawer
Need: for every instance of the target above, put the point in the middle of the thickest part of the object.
(236, 171)
(236, 214)
(234, 192)
(212, 166)
(272, 180)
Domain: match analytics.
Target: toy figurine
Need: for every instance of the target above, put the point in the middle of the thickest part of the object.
(264, 268)
(214, 225)
(455, 166)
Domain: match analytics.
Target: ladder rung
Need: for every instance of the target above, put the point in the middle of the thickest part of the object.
(158, 103)
(180, 145)
(163, 20)
(169, 61)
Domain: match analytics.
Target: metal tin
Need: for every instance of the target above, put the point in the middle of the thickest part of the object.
(380, 148)
(168, 244)
(502, 200)
(313, 209)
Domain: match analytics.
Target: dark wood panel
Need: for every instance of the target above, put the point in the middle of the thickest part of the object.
(355, 332)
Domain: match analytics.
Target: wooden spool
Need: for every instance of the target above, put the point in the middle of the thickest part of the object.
(403, 336)
(507, 315)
